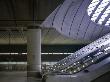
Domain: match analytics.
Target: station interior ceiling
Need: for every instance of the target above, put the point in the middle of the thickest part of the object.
(17, 15)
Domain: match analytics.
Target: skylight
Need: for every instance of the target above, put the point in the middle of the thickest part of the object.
(99, 11)
(92, 6)
(105, 14)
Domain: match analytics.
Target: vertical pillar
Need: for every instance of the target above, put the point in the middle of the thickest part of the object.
(34, 51)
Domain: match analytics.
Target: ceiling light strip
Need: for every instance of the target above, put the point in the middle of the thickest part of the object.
(5, 63)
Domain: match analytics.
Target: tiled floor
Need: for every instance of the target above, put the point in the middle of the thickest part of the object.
(13, 76)
(16, 77)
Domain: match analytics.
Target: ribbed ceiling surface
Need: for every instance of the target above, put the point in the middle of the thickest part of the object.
(71, 20)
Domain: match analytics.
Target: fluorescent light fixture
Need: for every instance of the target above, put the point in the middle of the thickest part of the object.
(99, 9)
(24, 53)
(13, 63)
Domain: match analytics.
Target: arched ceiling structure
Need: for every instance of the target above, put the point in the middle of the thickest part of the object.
(71, 19)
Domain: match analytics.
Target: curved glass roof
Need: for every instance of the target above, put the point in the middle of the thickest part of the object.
(72, 20)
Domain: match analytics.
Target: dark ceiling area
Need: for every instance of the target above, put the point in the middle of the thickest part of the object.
(17, 13)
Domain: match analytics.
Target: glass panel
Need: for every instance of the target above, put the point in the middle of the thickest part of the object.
(101, 5)
(92, 6)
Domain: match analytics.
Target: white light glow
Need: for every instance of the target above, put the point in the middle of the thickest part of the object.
(83, 66)
(8, 53)
(24, 53)
(92, 61)
(59, 53)
(62, 70)
(107, 48)
(41, 53)
(74, 70)
(74, 63)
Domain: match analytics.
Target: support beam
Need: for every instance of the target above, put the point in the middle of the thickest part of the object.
(34, 52)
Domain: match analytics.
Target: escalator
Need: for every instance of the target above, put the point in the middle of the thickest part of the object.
(84, 58)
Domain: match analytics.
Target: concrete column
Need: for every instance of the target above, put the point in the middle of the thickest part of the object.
(34, 51)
